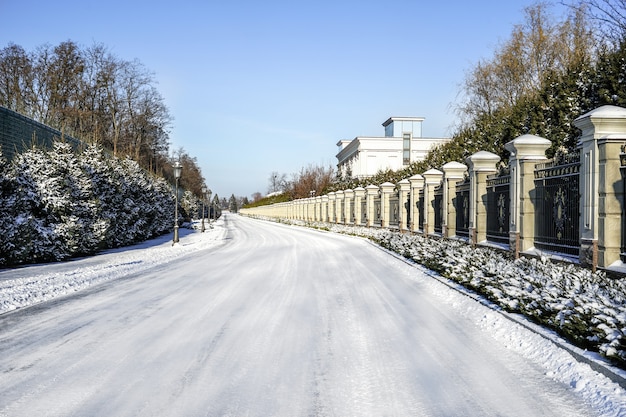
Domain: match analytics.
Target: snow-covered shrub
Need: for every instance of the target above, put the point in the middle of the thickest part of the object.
(190, 205)
(57, 204)
(6, 209)
(38, 207)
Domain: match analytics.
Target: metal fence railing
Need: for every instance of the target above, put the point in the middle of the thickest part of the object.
(438, 209)
(558, 204)
(462, 207)
(394, 210)
(377, 212)
(420, 210)
(498, 207)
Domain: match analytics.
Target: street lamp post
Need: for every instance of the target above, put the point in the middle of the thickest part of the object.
(178, 170)
(203, 196)
(209, 192)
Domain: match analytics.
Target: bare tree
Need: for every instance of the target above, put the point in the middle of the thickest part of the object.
(610, 16)
(15, 78)
(92, 95)
(256, 197)
(64, 78)
(536, 47)
(277, 182)
(313, 178)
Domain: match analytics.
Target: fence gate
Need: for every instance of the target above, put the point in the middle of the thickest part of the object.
(558, 210)
(498, 207)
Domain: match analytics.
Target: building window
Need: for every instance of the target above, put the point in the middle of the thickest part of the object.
(406, 148)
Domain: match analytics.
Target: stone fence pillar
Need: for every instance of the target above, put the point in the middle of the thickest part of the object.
(526, 151)
(481, 164)
(601, 185)
(359, 195)
(432, 179)
(348, 197)
(371, 191)
(324, 209)
(331, 207)
(453, 172)
(318, 209)
(311, 209)
(339, 206)
(417, 183)
(385, 215)
(404, 188)
(296, 209)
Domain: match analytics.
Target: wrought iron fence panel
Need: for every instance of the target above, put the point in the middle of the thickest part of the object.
(363, 211)
(377, 212)
(407, 207)
(461, 204)
(394, 210)
(558, 211)
(420, 209)
(622, 159)
(352, 215)
(438, 208)
(498, 208)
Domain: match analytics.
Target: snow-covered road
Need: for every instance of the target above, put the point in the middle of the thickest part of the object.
(276, 320)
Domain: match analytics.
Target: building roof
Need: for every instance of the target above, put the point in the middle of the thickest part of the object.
(402, 119)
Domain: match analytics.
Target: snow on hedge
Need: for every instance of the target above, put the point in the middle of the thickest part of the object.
(56, 204)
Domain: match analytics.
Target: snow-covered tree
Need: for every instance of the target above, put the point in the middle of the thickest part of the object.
(58, 204)
(191, 205)
(75, 204)
(38, 203)
(98, 168)
(232, 203)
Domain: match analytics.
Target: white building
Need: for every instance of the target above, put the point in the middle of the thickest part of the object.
(402, 144)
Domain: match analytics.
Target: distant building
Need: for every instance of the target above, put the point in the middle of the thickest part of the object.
(402, 144)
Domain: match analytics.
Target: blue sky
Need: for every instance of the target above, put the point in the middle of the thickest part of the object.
(262, 86)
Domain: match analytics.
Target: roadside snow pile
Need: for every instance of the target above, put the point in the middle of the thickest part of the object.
(586, 308)
(21, 287)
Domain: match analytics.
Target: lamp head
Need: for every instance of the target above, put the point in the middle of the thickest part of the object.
(178, 169)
